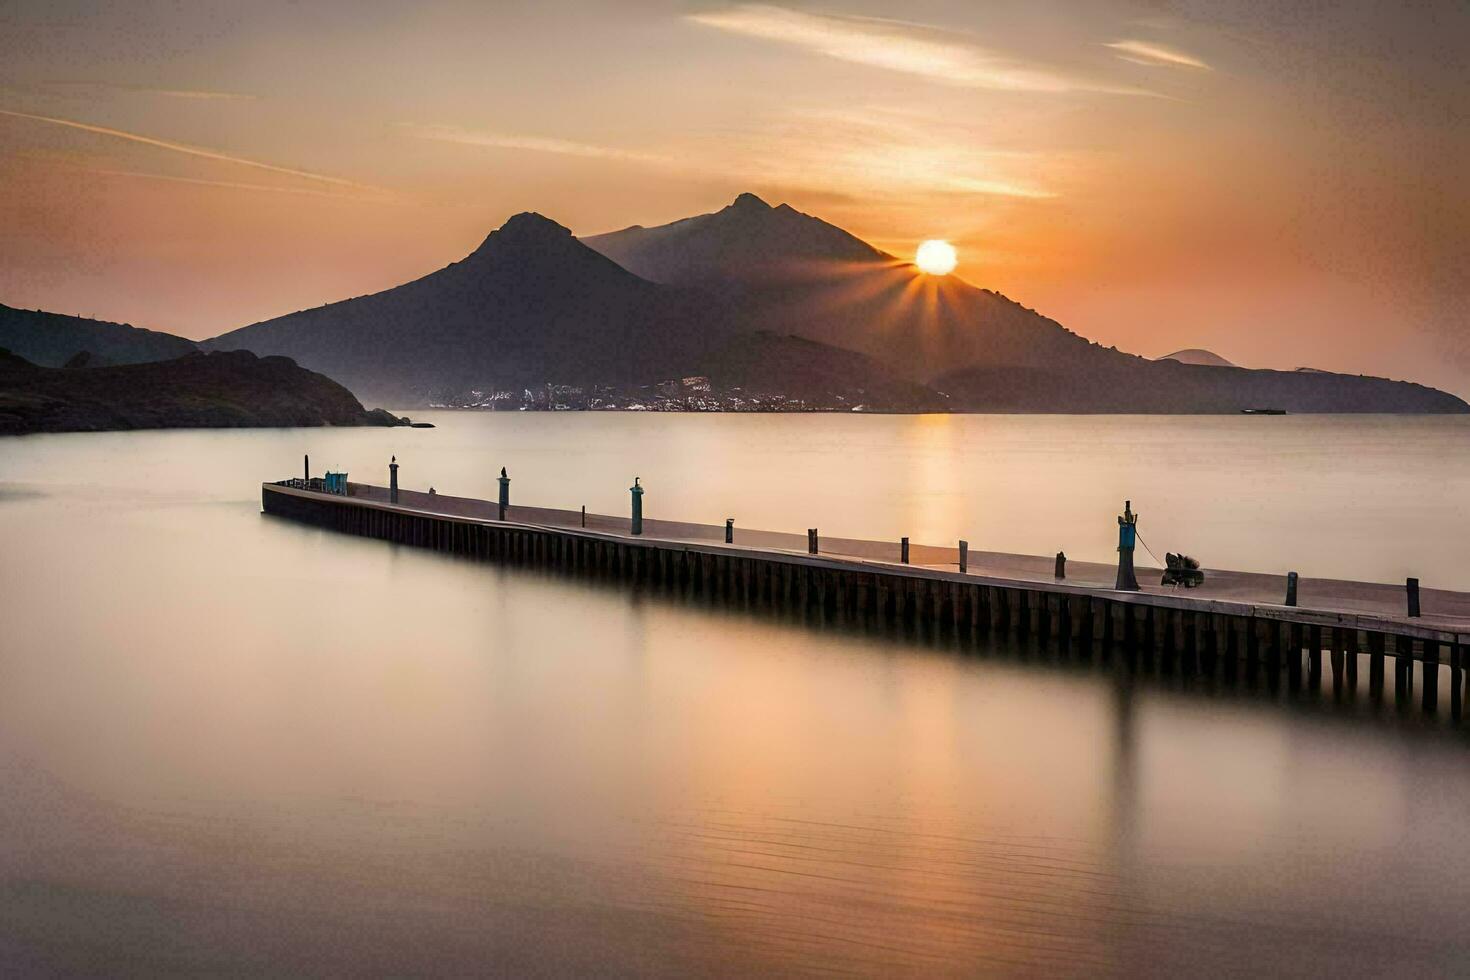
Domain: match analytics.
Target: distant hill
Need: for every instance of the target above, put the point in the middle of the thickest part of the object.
(1186, 389)
(52, 339)
(1197, 356)
(221, 390)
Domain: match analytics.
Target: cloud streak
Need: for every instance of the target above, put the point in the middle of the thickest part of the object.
(535, 144)
(195, 151)
(914, 49)
(1148, 53)
(231, 184)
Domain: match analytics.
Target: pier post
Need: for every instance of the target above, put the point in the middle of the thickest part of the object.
(1411, 586)
(306, 468)
(584, 515)
(1127, 534)
(811, 541)
(903, 550)
(729, 530)
(637, 493)
(393, 480)
(504, 492)
(1061, 569)
(964, 556)
(1291, 588)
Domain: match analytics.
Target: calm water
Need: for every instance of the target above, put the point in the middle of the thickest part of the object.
(228, 743)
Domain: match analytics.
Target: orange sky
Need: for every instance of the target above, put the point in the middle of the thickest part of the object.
(1284, 189)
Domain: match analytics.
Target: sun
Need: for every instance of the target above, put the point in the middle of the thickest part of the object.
(936, 257)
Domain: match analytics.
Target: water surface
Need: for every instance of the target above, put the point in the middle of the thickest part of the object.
(229, 743)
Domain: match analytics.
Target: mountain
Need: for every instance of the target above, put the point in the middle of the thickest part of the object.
(1197, 356)
(221, 390)
(531, 305)
(52, 339)
(790, 273)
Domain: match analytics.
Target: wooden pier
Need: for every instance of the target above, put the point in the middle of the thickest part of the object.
(1236, 621)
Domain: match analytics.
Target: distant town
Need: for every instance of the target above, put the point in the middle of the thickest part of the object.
(691, 394)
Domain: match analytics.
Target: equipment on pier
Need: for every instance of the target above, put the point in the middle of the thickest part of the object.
(1182, 570)
(1127, 536)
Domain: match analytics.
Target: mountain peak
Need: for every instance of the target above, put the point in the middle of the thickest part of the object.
(530, 224)
(749, 202)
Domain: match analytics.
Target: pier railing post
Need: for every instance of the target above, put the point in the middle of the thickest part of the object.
(1411, 586)
(729, 530)
(393, 480)
(964, 556)
(903, 550)
(504, 492)
(811, 541)
(1291, 579)
(1127, 536)
(636, 490)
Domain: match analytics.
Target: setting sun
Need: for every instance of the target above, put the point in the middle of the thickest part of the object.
(936, 257)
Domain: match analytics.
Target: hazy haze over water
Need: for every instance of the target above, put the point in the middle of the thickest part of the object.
(232, 743)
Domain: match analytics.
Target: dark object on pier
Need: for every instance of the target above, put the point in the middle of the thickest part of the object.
(1061, 569)
(964, 556)
(729, 530)
(637, 491)
(1182, 570)
(393, 480)
(306, 467)
(903, 550)
(584, 515)
(1291, 578)
(1127, 536)
(504, 492)
(1412, 587)
(1263, 411)
(811, 541)
(421, 425)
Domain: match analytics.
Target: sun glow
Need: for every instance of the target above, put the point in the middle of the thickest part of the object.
(936, 257)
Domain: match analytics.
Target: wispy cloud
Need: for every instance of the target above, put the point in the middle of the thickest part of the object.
(198, 94)
(915, 49)
(1148, 53)
(195, 151)
(535, 144)
(231, 184)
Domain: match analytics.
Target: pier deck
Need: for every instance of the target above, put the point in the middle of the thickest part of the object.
(1323, 603)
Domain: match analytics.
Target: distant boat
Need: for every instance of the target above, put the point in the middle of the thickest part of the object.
(1263, 411)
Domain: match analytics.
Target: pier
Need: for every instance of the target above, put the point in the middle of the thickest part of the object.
(1234, 622)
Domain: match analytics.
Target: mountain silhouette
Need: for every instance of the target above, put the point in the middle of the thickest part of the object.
(531, 305)
(53, 339)
(1198, 356)
(791, 273)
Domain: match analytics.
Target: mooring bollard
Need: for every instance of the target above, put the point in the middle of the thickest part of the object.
(964, 556)
(1411, 586)
(393, 480)
(903, 550)
(1127, 535)
(637, 491)
(1061, 571)
(729, 530)
(584, 515)
(504, 492)
(811, 541)
(305, 469)
(1291, 588)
